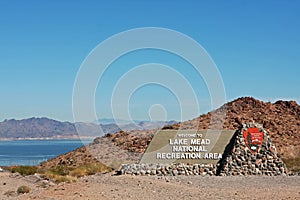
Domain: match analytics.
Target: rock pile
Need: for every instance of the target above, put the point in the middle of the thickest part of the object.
(168, 169)
(239, 160)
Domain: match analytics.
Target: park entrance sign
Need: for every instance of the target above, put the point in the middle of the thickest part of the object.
(187, 146)
(246, 151)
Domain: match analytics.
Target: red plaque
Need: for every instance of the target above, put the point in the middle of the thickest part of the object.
(253, 139)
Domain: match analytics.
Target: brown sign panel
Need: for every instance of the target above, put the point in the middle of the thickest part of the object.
(253, 138)
(187, 146)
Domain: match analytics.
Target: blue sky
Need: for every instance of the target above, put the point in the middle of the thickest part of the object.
(255, 45)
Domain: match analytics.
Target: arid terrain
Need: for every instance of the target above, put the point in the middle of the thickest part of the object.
(106, 187)
(280, 119)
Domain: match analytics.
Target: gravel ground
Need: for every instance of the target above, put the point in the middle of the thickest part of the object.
(106, 187)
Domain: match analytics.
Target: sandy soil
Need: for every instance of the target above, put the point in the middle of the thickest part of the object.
(106, 186)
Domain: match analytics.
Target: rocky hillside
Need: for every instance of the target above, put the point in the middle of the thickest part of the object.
(281, 119)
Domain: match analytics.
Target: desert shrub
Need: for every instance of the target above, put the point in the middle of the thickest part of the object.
(78, 172)
(93, 169)
(23, 189)
(64, 173)
(89, 169)
(66, 179)
(24, 170)
(59, 178)
(293, 164)
(98, 168)
(61, 170)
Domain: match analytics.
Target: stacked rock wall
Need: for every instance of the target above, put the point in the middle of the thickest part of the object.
(168, 169)
(239, 160)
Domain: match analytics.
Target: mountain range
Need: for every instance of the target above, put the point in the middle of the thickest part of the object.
(49, 128)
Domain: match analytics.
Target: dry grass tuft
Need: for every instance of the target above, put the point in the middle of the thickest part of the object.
(63, 173)
(24, 170)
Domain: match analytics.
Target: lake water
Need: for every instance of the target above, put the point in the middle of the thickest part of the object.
(32, 152)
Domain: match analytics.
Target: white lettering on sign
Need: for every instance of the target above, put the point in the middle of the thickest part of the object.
(188, 149)
(178, 155)
(200, 141)
(173, 156)
(214, 156)
(178, 142)
(186, 135)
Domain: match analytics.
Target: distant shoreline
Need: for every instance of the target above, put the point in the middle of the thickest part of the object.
(33, 152)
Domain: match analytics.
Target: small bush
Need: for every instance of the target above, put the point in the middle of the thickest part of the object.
(58, 178)
(89, 169)
(96, 168)
(23, 189)
(64, 173)
(67, 179)
(78, 172)
(24, 170)
(60, 170)
(293, 164)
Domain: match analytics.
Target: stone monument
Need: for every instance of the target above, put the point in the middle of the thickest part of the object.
(251, 153)
(247, 151)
